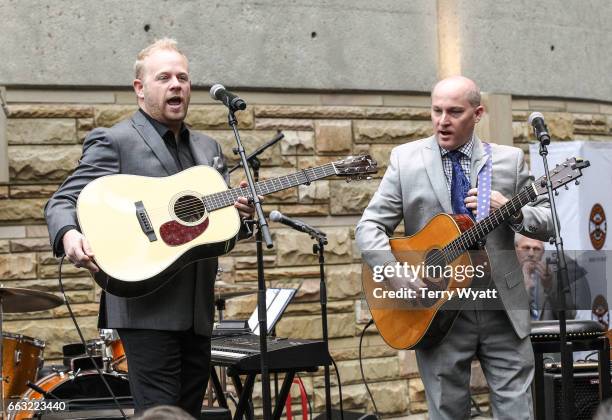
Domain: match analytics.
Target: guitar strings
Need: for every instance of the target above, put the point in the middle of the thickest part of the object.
(226, 198)
(459, 245)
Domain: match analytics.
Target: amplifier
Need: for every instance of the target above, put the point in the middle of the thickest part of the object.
(586, 395)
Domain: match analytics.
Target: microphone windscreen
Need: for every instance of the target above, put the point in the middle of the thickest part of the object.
(535, 115)
(214, 89)
(276, 216)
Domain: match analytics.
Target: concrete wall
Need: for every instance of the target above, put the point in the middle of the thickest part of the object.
(548, 48)
(382, 45)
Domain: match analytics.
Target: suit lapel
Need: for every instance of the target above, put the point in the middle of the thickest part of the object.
(155, 142)
(435, 172)
(479, 159)
(199, 154)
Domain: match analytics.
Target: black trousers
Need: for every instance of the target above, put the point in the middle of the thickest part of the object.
(167, 368)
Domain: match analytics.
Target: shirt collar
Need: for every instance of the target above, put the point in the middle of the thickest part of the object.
(466, 149)
(161, 128)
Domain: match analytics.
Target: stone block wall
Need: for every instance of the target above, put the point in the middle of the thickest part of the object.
(44, 144)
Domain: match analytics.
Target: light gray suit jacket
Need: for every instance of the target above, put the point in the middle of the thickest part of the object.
(414, 190)
(133, 146)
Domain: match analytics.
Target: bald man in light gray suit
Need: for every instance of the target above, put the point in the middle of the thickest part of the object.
(416, 187)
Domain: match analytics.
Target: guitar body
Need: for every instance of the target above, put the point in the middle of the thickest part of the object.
(144, 230)
(404, 328)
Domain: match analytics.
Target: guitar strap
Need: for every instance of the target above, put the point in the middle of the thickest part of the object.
(484, 185)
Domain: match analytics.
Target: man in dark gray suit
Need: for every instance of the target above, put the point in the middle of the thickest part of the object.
(166, 334)
(541, 281)
(421, 182)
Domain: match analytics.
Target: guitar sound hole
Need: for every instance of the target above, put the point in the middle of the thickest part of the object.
(189, 208)
(435, 265)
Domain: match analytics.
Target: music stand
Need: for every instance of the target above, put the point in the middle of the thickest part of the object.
(277, 300)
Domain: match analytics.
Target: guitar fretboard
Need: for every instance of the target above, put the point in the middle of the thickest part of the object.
(227, 198)
(470, 237)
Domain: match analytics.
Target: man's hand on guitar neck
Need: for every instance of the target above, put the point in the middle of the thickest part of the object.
(78, 251)
(497, 200)
(246, 209)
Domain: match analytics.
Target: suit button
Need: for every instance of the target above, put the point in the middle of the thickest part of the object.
(532, 228)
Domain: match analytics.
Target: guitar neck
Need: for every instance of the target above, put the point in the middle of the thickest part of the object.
(227, 198)
(476, 233)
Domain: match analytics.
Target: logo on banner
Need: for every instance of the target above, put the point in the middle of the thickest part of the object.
(598, 226)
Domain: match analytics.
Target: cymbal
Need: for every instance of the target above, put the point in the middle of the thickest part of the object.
(228, 290)
(16, 300)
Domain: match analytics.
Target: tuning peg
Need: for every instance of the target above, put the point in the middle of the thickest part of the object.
(349, 179)
(368, 178)
(577, 182)
(556, 193)
(566, 187)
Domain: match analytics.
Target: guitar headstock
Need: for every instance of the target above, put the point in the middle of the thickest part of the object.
(356, 167)
(562, 174)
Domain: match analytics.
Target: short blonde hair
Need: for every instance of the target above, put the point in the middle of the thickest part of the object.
(161, 44)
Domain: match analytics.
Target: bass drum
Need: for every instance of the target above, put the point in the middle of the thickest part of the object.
(66, 386)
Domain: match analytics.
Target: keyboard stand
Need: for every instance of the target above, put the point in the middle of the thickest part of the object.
(245, 391)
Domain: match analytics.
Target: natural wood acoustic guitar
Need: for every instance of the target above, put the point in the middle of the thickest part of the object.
(446, 242)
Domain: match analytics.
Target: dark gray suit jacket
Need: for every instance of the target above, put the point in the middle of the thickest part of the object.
(133, 146)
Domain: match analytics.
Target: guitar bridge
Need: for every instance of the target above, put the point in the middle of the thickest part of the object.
(145, 222)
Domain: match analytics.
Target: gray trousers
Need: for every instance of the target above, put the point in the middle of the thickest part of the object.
(506, 360)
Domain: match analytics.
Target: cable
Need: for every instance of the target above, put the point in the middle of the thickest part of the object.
(93, 362)
(370, 322)
(307, 399)
(339, 388)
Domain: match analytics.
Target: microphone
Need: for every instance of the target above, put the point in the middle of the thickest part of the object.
(536, 119)
(233, 102)
(277, 216)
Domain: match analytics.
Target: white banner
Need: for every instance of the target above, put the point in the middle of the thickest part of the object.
(583, 211)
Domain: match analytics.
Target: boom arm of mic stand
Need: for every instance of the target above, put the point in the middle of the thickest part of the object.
(259, 150)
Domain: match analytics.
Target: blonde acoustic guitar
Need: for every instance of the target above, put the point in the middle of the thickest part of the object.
(446, 241)
(143, 230)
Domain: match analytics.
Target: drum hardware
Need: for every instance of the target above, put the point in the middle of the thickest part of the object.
(113, 351)
(107, 350)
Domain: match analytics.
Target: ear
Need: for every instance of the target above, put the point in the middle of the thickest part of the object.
(478, 112)
(138, 88)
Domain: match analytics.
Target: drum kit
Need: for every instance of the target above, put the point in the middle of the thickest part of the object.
(23, 356)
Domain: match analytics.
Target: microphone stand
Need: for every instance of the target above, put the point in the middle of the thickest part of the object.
(262, 233)
(567, 367)
(319, 248)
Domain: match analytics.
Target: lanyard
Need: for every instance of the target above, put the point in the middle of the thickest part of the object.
(484, 185)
